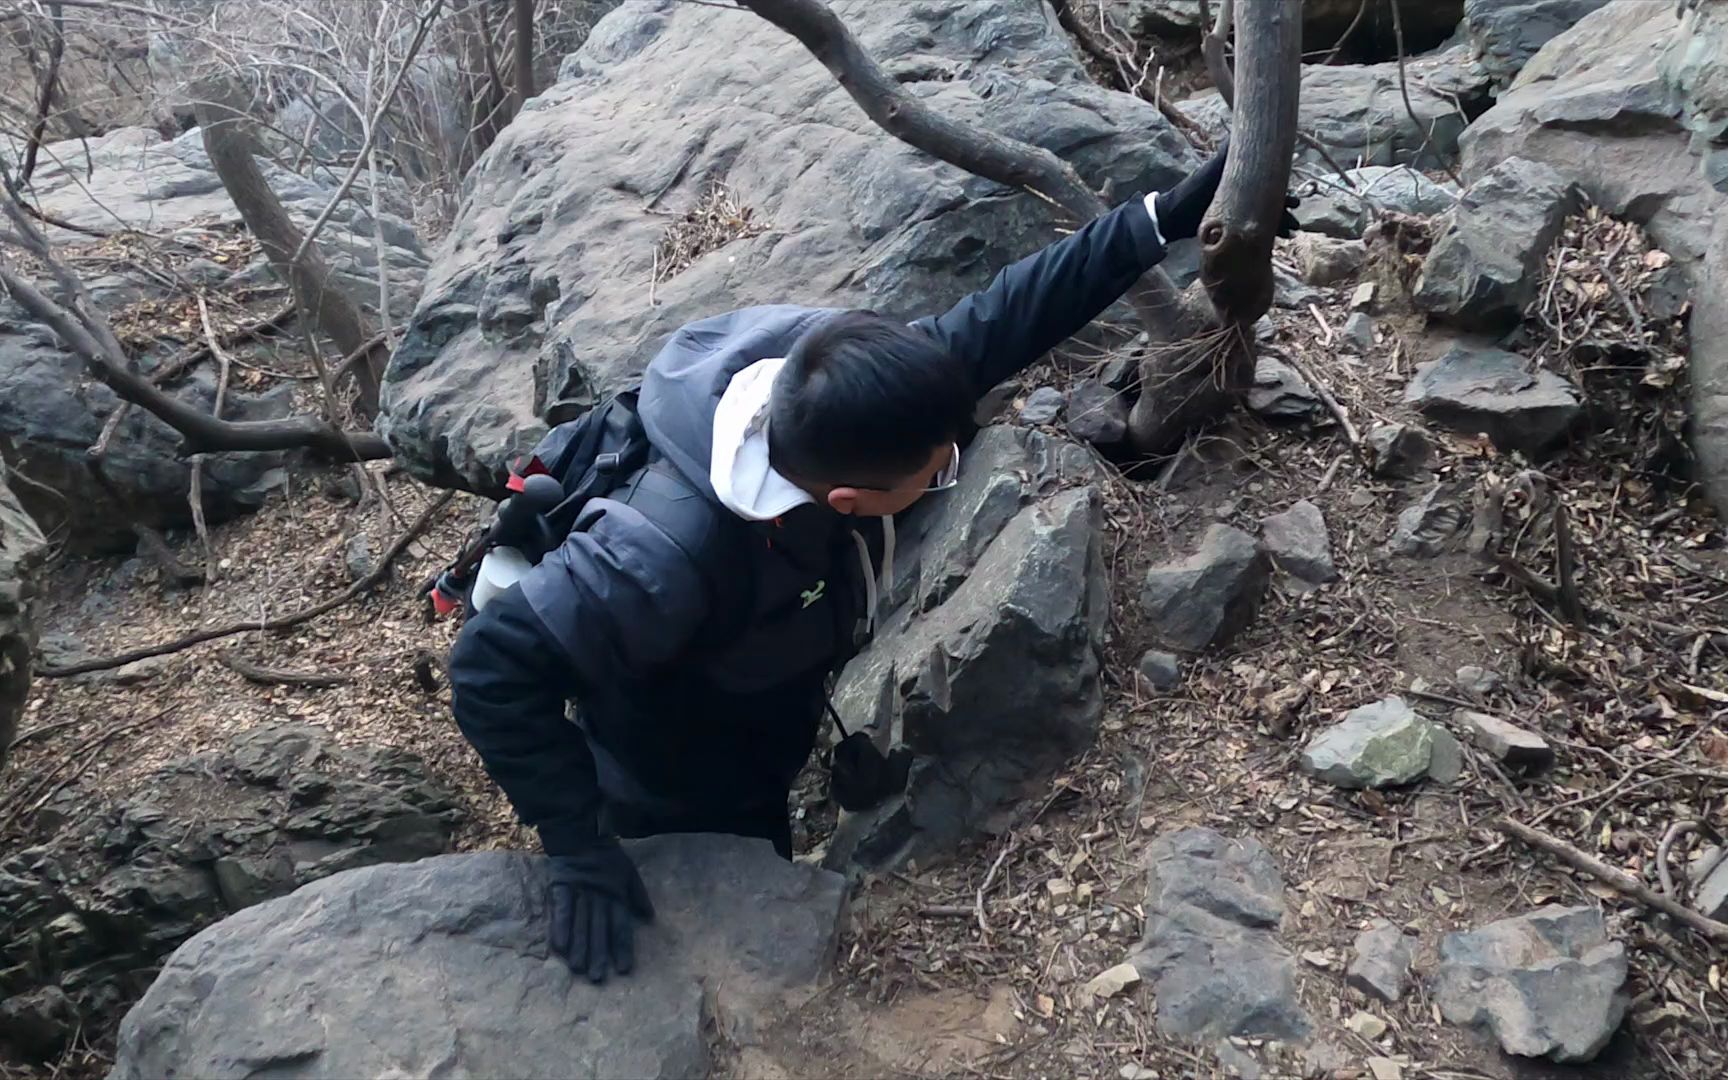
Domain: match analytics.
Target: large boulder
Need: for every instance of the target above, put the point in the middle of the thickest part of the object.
(1324, 22)
(988, 668)
(54, 412)
(441, 968)
(1505, 34)
(1476, 389)
(111, 887)
(21, 551)
(1631, 105)
(1357, 111)
(567, 266)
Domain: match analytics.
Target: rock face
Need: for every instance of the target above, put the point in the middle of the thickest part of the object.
(1548, 984)
(54, 412)
(1210, 948)
(988, 667)
(1358, 113)
(1628, 104)
(1323, 21)
(1209, 597)
(22, 549)
(1486, 391)
(538, 301)
(459, 942)
(1298, 543)
(90, 906)
(1505, 34)
(1381, 962)
(1486, 266)
(1346, 212)
(1381, 745)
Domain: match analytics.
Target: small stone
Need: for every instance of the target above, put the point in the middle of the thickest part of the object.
(1367, 1025)
(1279, 393)
(1481, 390)
(1135, 1071)
(140, 671)
(1097, 414)
(1161, 670)
(357, 556)
(1111, 982)
(1238, 1062)
(1209, 597)
(1381, 966)
(1547, 984)
(1385, 1068)
(1042, 406)
(1427, 526)
(1446, 760)
(1324, 260)
(1363, 296)
(1400, 451)
(1299, 544)
(1380, 745)
(1359, 332)
(1478, 681)
(1711, 896)
(1508, 743)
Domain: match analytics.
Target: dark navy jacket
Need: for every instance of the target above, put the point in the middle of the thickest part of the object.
(622, 619)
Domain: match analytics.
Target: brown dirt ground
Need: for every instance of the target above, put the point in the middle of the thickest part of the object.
(927, 987)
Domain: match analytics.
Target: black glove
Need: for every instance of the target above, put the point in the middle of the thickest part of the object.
(1183, 207)
(861, 777)
(593, 899)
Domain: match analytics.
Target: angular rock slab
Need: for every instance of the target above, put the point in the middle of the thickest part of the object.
(1505, 34)
(987, 668)
(1210, 948)
(1381, 962)
(1547, 984)
(1298, 542)
(1210, 596)
(1488, 391)
(536, 306)
(1486, 266)
(1381, 745)
(440, 967)
(22, 550)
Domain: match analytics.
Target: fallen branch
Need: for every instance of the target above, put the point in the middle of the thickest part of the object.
(978, 907)
(1675, 832)
(1565, 560)
(1617, 879)
(264, 676)
(199, 637)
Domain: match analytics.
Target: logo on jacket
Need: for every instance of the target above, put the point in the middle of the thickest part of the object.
(810, 596)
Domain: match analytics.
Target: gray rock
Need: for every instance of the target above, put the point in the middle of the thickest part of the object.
(357, 556)
(1358, 332)
(1042, 405)
(1380, 965)
(1710, 897)
(1400, 451)
(1547, 984)
(535, 305)
(1005, 567)
(1279, 393)
(1210, 949)
(1358, 114)
(1323, 21)
(459, 943)
(1345, 211)
(1161, 670)
(1485, 267)
(1209, 597)
(140, 671)
(1509, 743)
(1429, 525)
(1505, 34)
(1380, 745)
(37, 1023)
(117, 885)
(1298, 543)
(1487, 391)
(1446, 759)
(1097, 414)
(22, 552)
(1324, 260)
(1289, 291)
(1624, 104)
(1476, 681)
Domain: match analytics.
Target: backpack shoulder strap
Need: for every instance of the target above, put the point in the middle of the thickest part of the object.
(719, 544)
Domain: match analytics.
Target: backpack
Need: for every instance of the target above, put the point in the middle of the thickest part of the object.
(574, 463)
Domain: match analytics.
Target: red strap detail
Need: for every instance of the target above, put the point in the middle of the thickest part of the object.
(520, 472)
(442, 604)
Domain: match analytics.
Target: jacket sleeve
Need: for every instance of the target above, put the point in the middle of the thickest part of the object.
(617, 599)
(1035, 304)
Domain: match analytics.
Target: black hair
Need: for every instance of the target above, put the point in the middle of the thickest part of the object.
(865, 399)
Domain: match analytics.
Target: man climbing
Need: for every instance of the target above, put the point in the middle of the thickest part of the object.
(785, 439)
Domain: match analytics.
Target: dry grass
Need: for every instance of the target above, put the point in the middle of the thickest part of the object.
(717, 219)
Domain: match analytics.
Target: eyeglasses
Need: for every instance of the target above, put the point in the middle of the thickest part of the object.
(942, 481)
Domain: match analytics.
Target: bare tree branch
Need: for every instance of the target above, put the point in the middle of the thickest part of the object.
(45, 96)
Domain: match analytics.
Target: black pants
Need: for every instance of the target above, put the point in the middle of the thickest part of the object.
(768, 821)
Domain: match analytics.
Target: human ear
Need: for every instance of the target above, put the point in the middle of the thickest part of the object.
(843, 499)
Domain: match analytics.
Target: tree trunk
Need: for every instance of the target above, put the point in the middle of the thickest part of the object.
(1183, 388)
(229, 141)
(524, 52)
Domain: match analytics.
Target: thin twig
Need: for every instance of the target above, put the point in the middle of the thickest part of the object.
(1331, 403)
(199, 637)
(1566, 593)
(1675, 832)
(1404, 89)
(978, 908)
(1619, 880)
(195, 491)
